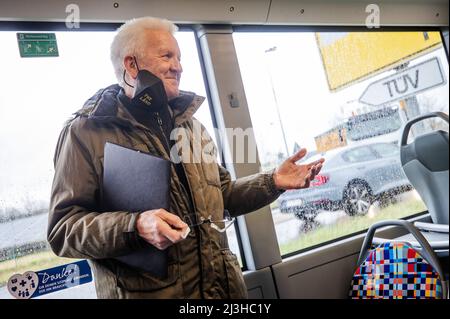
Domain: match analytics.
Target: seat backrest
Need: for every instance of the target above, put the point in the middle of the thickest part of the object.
(425, 162)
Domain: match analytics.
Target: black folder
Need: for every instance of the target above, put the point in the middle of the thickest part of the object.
(136, 181)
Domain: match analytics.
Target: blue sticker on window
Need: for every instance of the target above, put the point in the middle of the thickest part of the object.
(34, 284)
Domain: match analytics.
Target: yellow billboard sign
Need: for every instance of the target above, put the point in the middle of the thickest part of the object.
(350, 57)
(334, 138)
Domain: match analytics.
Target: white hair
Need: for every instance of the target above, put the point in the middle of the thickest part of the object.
(129, 40)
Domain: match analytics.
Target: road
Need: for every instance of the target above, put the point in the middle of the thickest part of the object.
(23, 231)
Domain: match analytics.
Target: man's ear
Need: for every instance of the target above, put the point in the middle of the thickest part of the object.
(129, 64)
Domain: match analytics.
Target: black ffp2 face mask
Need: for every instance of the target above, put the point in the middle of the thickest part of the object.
(149, 91)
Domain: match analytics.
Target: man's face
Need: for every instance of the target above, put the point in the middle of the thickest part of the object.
(162, 58)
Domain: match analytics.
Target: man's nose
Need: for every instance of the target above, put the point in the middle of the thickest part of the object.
(176, 66)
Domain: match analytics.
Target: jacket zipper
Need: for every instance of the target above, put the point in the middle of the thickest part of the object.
(160, 123)
(198, 233)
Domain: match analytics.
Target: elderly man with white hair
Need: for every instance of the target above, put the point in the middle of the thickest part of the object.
(141, 112)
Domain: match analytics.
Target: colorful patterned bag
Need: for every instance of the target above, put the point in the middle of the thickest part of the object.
(395, 270)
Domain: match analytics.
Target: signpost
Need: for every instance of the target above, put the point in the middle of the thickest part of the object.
(405, 83)
(33, 45)
(351, 57)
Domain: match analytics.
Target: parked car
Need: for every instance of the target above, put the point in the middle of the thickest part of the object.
(351, 179)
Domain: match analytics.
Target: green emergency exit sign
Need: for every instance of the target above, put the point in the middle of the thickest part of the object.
(33, 45)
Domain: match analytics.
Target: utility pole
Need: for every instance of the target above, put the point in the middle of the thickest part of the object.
(273, 49)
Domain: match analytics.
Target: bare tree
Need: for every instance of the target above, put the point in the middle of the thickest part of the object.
(430, 104)
(336, 120)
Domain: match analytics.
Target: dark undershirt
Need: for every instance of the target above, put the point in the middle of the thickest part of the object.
(148, 117)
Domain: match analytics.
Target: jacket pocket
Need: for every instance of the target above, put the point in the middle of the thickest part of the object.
(134, 280)
(235, 281)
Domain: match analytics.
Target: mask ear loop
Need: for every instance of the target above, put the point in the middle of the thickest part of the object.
(125, 71)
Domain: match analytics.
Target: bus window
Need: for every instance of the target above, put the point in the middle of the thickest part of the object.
(310, 90)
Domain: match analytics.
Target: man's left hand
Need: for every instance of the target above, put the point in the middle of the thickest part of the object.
(290, 175)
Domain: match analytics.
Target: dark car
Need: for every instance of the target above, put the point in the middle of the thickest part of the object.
(351, 179)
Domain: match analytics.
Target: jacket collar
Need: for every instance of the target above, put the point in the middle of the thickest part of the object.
(106, 106)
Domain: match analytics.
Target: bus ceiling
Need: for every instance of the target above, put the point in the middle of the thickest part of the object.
(244, 12)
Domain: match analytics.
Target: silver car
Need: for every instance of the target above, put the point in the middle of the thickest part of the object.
(351, 179)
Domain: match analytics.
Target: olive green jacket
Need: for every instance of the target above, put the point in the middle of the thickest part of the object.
(199, 266)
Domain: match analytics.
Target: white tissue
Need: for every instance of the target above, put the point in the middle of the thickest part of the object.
(186, 233)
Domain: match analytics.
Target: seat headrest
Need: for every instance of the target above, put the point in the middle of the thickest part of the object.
(430, 149)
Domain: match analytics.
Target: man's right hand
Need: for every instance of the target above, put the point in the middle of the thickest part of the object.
(161, 228)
